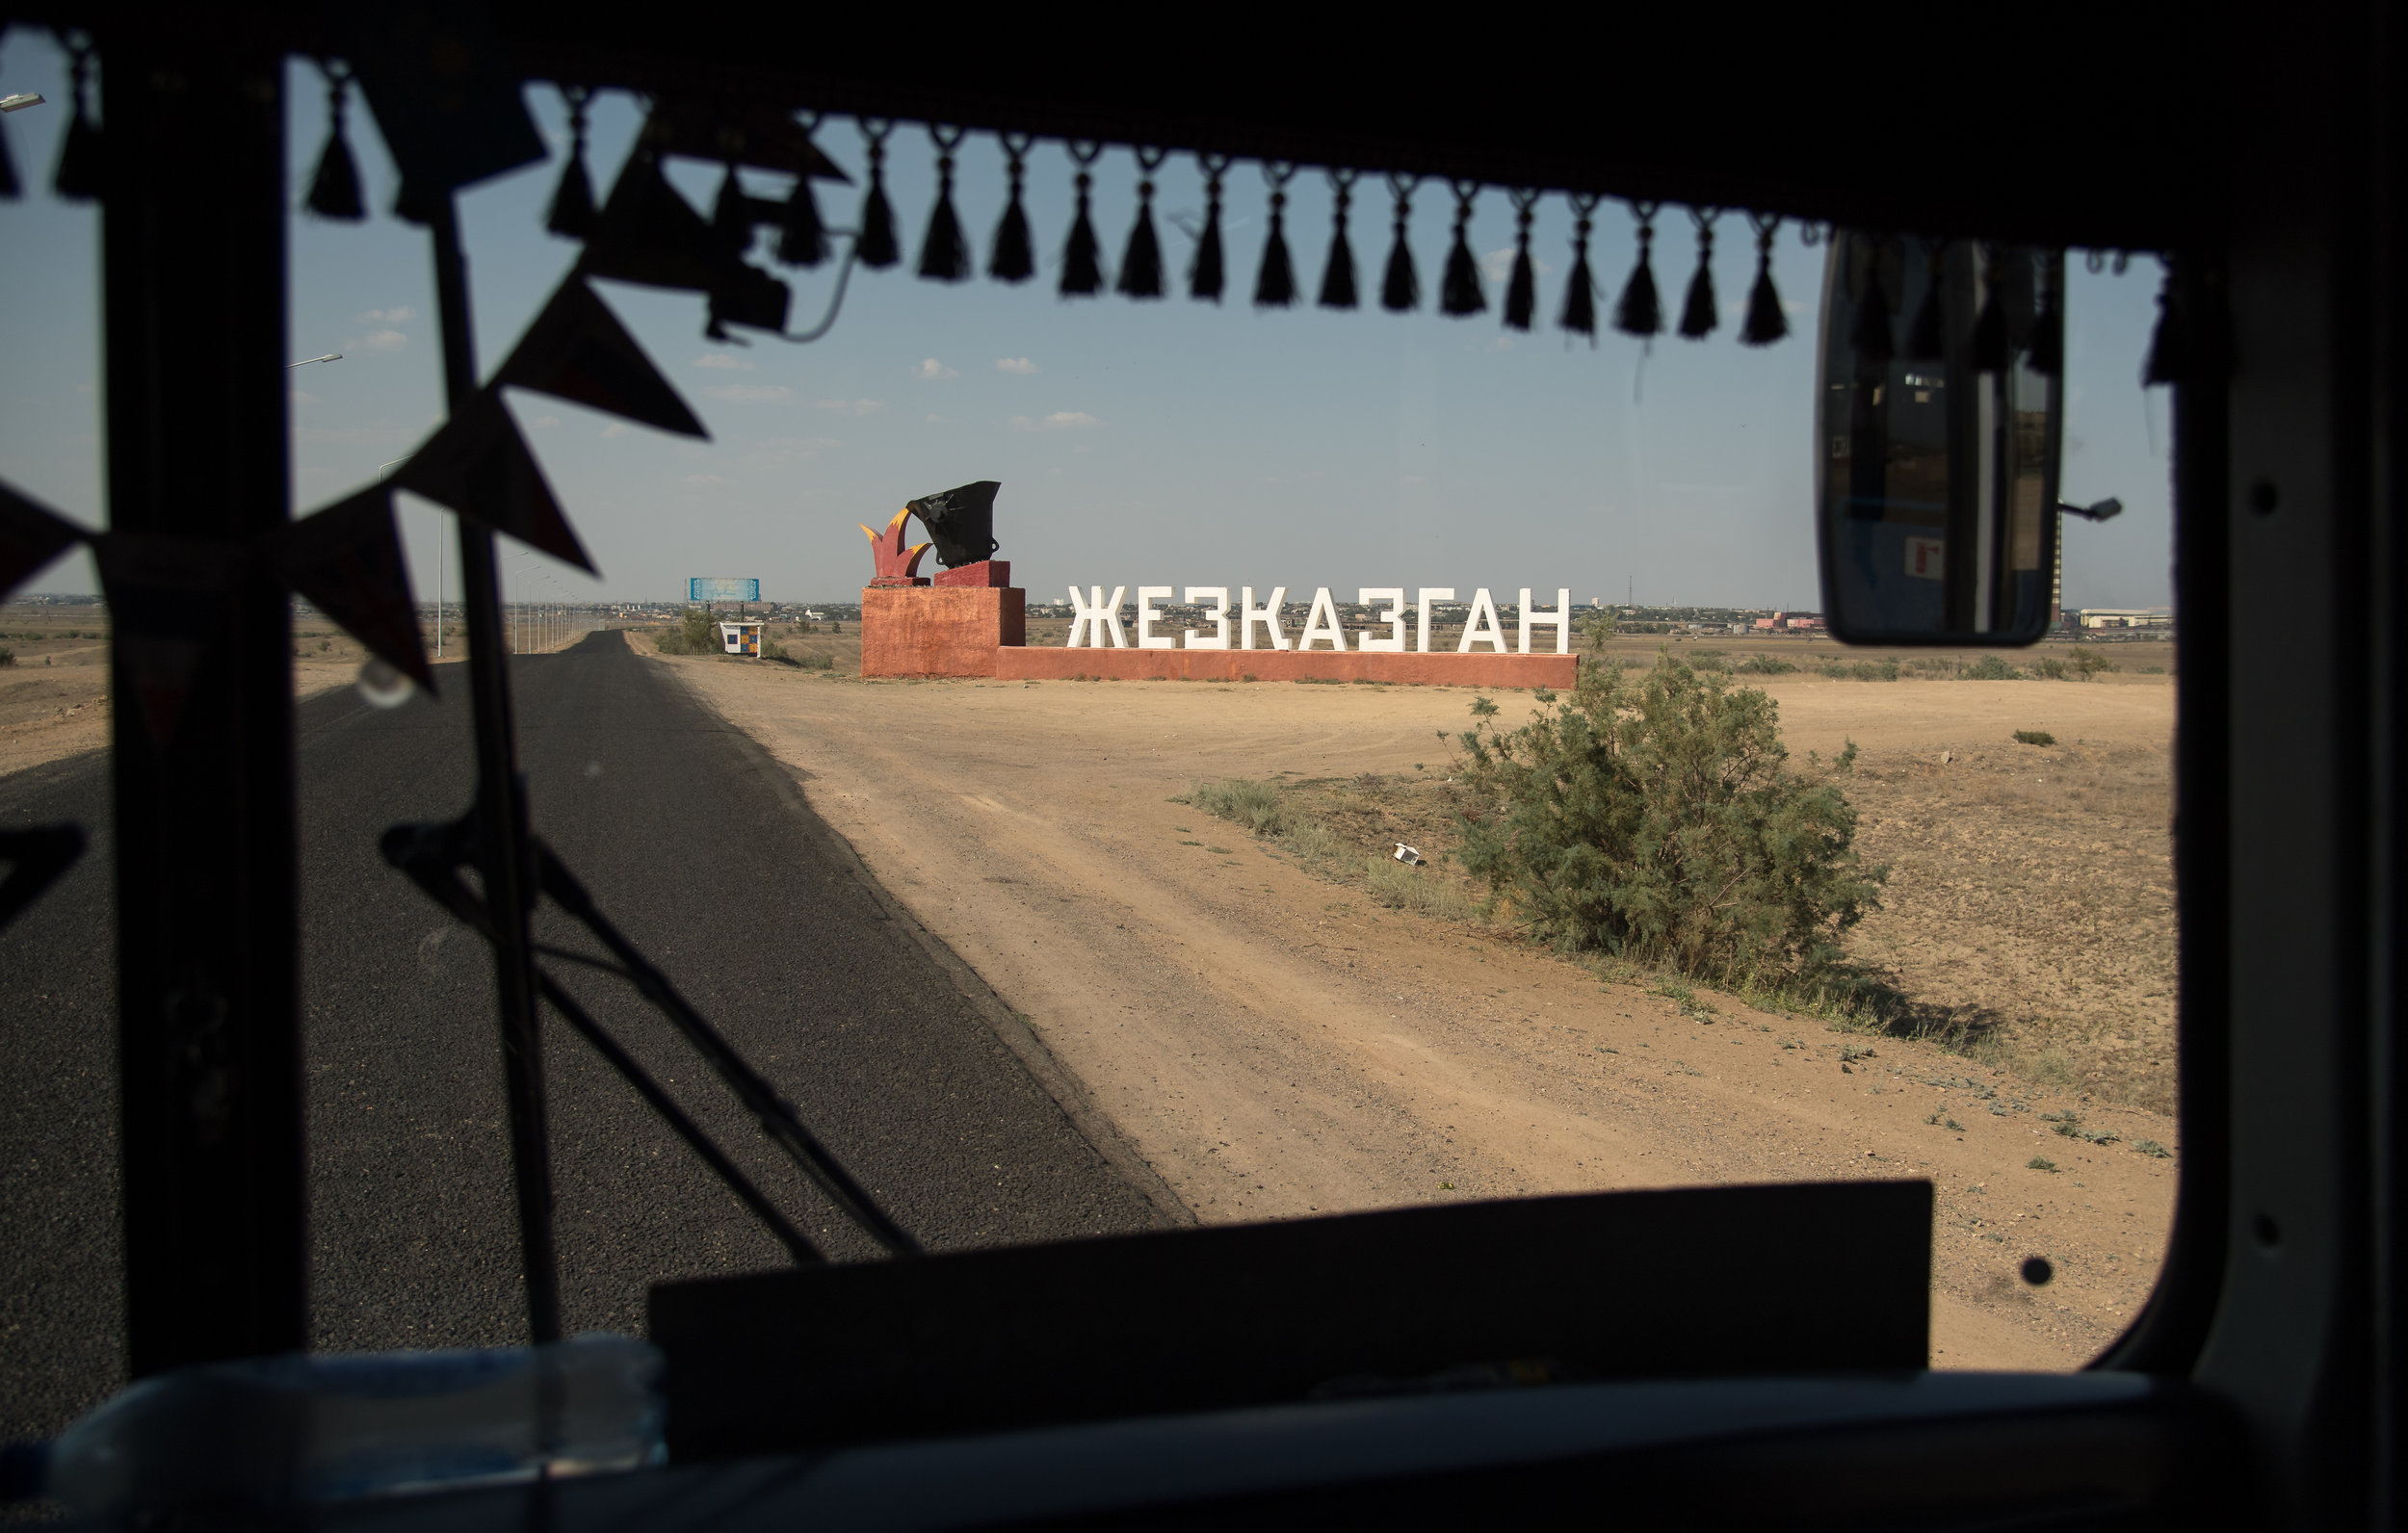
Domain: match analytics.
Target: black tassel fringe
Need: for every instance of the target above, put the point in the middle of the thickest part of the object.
(1640, 312)
(801, 233)
(1275, 280)
(731, 214)
(334, 189)
(1522, 291)
(80, 173)
(571, 215)
(2048, 325)
(1400, 288)
(1338, 273)
(1142, 260)
(10, 190)
(1207, 275)
(1992, 351)
(1013, 258)
(1765, 321)
(1083, 258)
(1699, 318)
(1460, 292)
(1579, 292)
(1928, 338)
(876, 247)
(944, 254)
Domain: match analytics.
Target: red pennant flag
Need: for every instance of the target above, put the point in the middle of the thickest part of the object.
(347, 560)
(169, 598)
(479, 465)
(577, 351)
(31, 536)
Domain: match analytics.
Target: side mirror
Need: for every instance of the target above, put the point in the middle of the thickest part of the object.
(1938, 419)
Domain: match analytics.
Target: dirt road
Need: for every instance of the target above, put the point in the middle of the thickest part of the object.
(1276, 1043)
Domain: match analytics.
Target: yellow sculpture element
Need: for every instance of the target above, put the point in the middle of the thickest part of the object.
(895, 562)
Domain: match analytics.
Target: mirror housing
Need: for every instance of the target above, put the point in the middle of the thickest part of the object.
(1938, 421)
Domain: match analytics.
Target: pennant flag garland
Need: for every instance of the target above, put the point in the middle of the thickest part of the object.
(1640, 312)
(571, 214)
(577, 351)
(648, 233)
(1765, 321)
(347, 560)
(1522, 289)
(1338, 275)
(334, 191)
(171, 597)
(1082, 258)
(1579, 295)
(1275, 281)
(1699, 318)
(31, 536)
(1142, 260)
(1013, 256)
(445, 90)
(479, 465)
(1401, 289)
(1459, 291)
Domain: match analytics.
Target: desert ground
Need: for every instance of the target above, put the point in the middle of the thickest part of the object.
(1283, 1031)
(1276, 1038)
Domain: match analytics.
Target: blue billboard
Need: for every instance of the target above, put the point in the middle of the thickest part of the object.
(722, 589)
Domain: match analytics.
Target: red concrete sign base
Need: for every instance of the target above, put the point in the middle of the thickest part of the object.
(1476, 669)
(940, 630)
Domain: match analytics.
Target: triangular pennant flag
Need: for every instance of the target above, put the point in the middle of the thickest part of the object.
(646, 232)
(347, 560)
(31, 536)
(577, 351)
(479, 465)
(764, 138)
(169, 597)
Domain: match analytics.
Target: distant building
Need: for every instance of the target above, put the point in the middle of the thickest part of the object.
(2125, 617)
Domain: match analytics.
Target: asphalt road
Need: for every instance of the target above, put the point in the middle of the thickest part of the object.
(702, 850)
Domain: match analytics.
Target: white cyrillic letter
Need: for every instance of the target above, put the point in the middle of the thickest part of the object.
(1391, 643)
(1090, 619)
(1148, 615)
(1266, 614)
(1480, 625)
(1315, 628)
(1219, 614)
(1428, 594)
(1560, 620)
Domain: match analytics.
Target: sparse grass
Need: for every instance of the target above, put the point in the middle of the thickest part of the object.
(1762, 665)
(2153, 1150)
(1884, 669)
(2035, 736)
(2040, 1164)
(1989, 668)
(1244, 801)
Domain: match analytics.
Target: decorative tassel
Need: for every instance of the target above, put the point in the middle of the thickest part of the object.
(334, 191)
(1338, 273)
(876, 245)
(1459, 291)
(1580, 293)
(1927, 339)
(944, 256)
(572, 212)
(2047, 325)
(1013, 258)
(79, 173)
(1400, 290)
(1766, 321)
(1699, 318)
(1869, 290)
(2169, 346)
(1142, 263)
(1522, 291)
(1274, 284)
(1640, 312)
(1205, 277)
(9, 188)
(801, 234)
(1991, 350)
(731, 214)
(1082, 259)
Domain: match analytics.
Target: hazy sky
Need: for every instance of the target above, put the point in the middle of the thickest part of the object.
(1162, 443)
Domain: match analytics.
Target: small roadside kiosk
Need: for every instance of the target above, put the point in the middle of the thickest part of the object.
(741, 639)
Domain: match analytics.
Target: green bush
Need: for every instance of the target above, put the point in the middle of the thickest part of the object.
(1763, 665)
(816, 662)
(695, 633)
(2048, 668)
(2087, 663)
(8, 657)
(2035, 736)
(1884, 669)
(1990, 668)
(1253, 804)
(1656, 818)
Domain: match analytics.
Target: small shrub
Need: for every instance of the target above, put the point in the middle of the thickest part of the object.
(694, 635)
(2048, 668)
(8, 657)
(2087, 663)
(1990, 668)
(1762, 665)
(2035, 736)
(1884, 669)
(1656, 818)
(816, 662)
(2040, 1164)
(2152, 670)
(1254, 805)
(2153, 1150)
(1933, 665)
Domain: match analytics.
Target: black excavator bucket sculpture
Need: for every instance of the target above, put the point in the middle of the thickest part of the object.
(961, 521)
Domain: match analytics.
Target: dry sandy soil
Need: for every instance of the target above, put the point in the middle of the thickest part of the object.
(1276, 1042)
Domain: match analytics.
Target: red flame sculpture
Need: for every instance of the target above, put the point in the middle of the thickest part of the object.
(896, 563)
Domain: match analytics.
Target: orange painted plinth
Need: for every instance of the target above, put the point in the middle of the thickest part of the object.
(1476, 669)
(940, 630)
